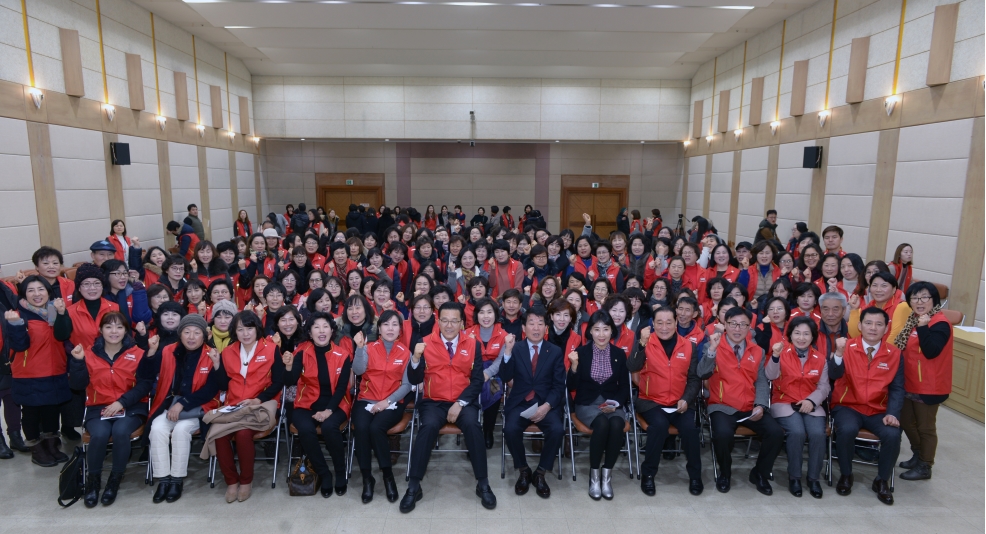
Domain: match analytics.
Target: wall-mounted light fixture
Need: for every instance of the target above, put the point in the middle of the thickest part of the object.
(738, 132)
(709, 138)
(687, 142)
(822, 116)
(231, 135)
(110, 111)
(201, 129)
(256, 140)
(890, 103)
(37, 96)
(773, 127)
(162, 121)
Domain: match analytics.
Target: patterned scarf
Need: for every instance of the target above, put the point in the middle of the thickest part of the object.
(901, 340)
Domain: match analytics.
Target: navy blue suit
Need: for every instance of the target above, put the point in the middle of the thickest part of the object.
(548, 384)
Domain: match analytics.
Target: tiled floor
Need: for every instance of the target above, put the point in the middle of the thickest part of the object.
(952, 502)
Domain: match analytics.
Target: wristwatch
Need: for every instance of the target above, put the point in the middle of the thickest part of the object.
(463, 403)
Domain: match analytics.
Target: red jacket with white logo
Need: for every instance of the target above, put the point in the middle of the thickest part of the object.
(384, 372)
(733, 382)
(928, 376)
(259, 371)
(309, 387)
(664, 377)
(865, 385)
(797, 382)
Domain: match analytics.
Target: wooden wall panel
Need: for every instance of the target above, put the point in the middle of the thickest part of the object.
(708, 186)
(942, 44)
(697, 120)
(684, 185)
(968, 266)
(770, 194)
(181, 96)
(72, 62)
(818, 178)
(883, 193)
(244, 115)
(135, 82)
(756, 101)
(204, 211)
(856, 82)
(799, 88)
(734, 196)
(39, 143)
(256, 183)
(114, 179)
(723, 111)
(234, 194)
(216, 101)
(164, 179)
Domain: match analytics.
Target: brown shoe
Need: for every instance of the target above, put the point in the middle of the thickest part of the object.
(231, 492)
(523, 481)
(883, 492)
(243, 493)
(844, 487)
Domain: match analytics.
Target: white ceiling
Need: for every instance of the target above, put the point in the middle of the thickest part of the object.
(492, 38)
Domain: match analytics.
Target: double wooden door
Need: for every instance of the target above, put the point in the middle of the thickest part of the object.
(340, 198)
(602, 204)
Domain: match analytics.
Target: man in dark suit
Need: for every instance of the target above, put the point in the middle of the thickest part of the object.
(537, 369)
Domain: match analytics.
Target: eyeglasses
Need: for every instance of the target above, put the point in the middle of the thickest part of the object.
(449, 322)
(738, 326)
(119, 273)
(176, 268)
(920, 300)
(92, 285)
(811, 255)
(787, 260)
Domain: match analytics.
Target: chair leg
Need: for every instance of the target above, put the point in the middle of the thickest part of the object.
(629, 454)
(503, 454)
(410, 447)
(212, 471)
(636, 445)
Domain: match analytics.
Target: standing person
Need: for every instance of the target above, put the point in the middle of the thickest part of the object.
(121, 242)
(667, 364)
(11, 410)
(186, 238)
(926, 342)
(115, 405)
(354, 219)
(832, 236)
(450, 365)
(506, 219)
(537, 371)
(242, 227)
(768, 228)
(48, 262)
(739, 391)
(902, 265)
(192, 219)
(868, 393)
(480, 219)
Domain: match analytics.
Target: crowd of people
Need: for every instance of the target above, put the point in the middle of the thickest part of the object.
(494, 320)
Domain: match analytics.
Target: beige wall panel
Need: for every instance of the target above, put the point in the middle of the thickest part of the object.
(697, 120)
(756, 100)
(856, 81)
(723, 111)
(72, 62)
(799, 88)
(135, 81)
(181, 96)
(942, 44)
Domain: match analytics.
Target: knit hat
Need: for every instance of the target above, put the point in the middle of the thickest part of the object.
(224, 306)
(87, 271)
(802, 227)
(194, 320)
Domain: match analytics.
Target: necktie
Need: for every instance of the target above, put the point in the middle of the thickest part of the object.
(869, 353)
(736, 351)
(534, 366)
(450, 351)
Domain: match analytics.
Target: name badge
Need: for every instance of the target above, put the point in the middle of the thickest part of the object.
(680, 356)
(130, 357)
(261, 359)
(204, 370)
(813, 372)
(883, 366)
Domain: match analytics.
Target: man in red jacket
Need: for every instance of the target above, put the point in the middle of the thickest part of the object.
(448, 366)
(868, 393)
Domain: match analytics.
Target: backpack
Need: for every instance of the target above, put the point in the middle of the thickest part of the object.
(72, 480)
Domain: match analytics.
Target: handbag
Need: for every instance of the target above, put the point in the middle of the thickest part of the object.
(304, 481)
(71, 480)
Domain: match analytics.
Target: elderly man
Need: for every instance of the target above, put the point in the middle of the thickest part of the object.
(833, 307)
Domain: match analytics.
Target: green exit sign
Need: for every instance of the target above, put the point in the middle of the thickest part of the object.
(349, 182)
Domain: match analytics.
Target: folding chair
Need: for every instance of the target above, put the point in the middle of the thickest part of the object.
(135, 437)
(531, 433)
(448, 429)
(196, 436)
(271, 435)
(641, 423)
(742, 433)
(574, 425)
(395, 430)
(865, 440)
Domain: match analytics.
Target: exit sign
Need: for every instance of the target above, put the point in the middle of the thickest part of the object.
(349, 182)
(595, 185)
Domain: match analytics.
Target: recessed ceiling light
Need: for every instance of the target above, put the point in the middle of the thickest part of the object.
(302, 138)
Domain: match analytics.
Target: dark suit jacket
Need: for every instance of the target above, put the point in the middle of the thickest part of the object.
(617, 387)
(548, 381)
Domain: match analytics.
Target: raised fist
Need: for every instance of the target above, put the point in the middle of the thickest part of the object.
(508, 343)
(78, 352)
(840, 346)
(777, 349)
(645, 335)
(153, 343)
(288, 359)
(140, 328)
(11, 316)
(59, 306)
(854, 302)
(924, 319)
(242, 264)
(714, 338)
(359, 340)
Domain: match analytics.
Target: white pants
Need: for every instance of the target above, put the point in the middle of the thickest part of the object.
(173, 460)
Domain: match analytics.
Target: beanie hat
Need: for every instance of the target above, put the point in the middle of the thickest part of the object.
(194, 320)
(224, 306)
(87, 271)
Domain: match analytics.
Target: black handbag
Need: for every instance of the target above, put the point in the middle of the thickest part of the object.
(72, 480)
(304, 481)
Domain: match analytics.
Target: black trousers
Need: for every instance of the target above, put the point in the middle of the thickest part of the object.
(302, 420)
(100, 432)
(38, 420)
(370, 431)
(433, 416)
(607, 439)
(73, 411)
(658, 423)
(847, 425)
(724, 428)
(513, 434)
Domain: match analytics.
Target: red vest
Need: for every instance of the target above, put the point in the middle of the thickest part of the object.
(85, 329)
(928, 376)
(815, 316)
(333, 269)
(691, 277)
(512, 267)
(166, 377)
(754, 273)
(446, 378)
(109, 381)
(308, 385)
(664, 377)
(44, 358)
(865, 386)
(491, 349)
(908, 270)
(384, 372)
(734, 383)
(258, 371)
(65, 286)
(695, 335)
(625, 339)
(193, 240)
(797, 382)
(573, 343)
(118, 255)
(578, 265)
(242, 229)
(776, 334)
(318, 261)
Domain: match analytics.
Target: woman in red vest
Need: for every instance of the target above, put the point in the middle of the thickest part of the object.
(926, 343)
(563, 332)
(883, 288)
(619, 310)
(88, 308)
(770, 331)
(118, 238)
(901, 266)
(251, 374)
(242, 226)
(382, 401)
(174, 275)
(491, 336)
(805, 296)
(321, 370)
(116, 400)
(35, 333)
(800, 386)
(153, 260)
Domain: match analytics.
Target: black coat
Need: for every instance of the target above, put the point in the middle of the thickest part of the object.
(355, 220)
(617, 387)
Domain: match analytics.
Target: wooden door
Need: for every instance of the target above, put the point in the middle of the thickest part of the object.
(339, 199)
(602, 204)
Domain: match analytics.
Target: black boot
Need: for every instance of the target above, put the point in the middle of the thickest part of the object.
(922, 471)
(41, 456)
(912, 463)
(112, 486)
(390, 487)
(71, 433)
(163, 486)
(368, 484)
(17, 442)
(174, 491)
(51, 445)
(91, 497)
(5, 452)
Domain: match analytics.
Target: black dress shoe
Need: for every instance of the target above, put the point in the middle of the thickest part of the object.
(341, 490)
(541, 485)
(71, 434)
(162, 490)
(844, 487)
(794, 486)
(761, 482)
(815, 488)
(523, 481)
(368, 484)
(489, 440)
(912, 463)
(722, 484)
(883, 492)
(326, 491)
(5, 452)
(174, 491)
(695, 487)
(647, 485)
(17, 442)
(390, 488)
(922, 471)
(410, 497)
(112, 487)
(486, 497)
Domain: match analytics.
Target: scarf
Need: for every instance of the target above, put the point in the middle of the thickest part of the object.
(901, 340)
(603, 267)
(220, 339)
(467, 274)
(47, 313)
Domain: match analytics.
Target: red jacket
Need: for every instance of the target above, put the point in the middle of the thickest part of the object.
(66, 287)
(625, 339)
(308, 384)
(695, 335)
(815, 316)
(85, 328)
(166, 377)
(663, 377)
(865, 386)
(797, 382)
(384, 372)
(926, 376)
(258, 371)
(734, 383)
(513, 268)
(446, 378)
(108, 381)
(333, 270)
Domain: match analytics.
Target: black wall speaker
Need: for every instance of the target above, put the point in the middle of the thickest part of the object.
(120, 153)
(813, 157)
